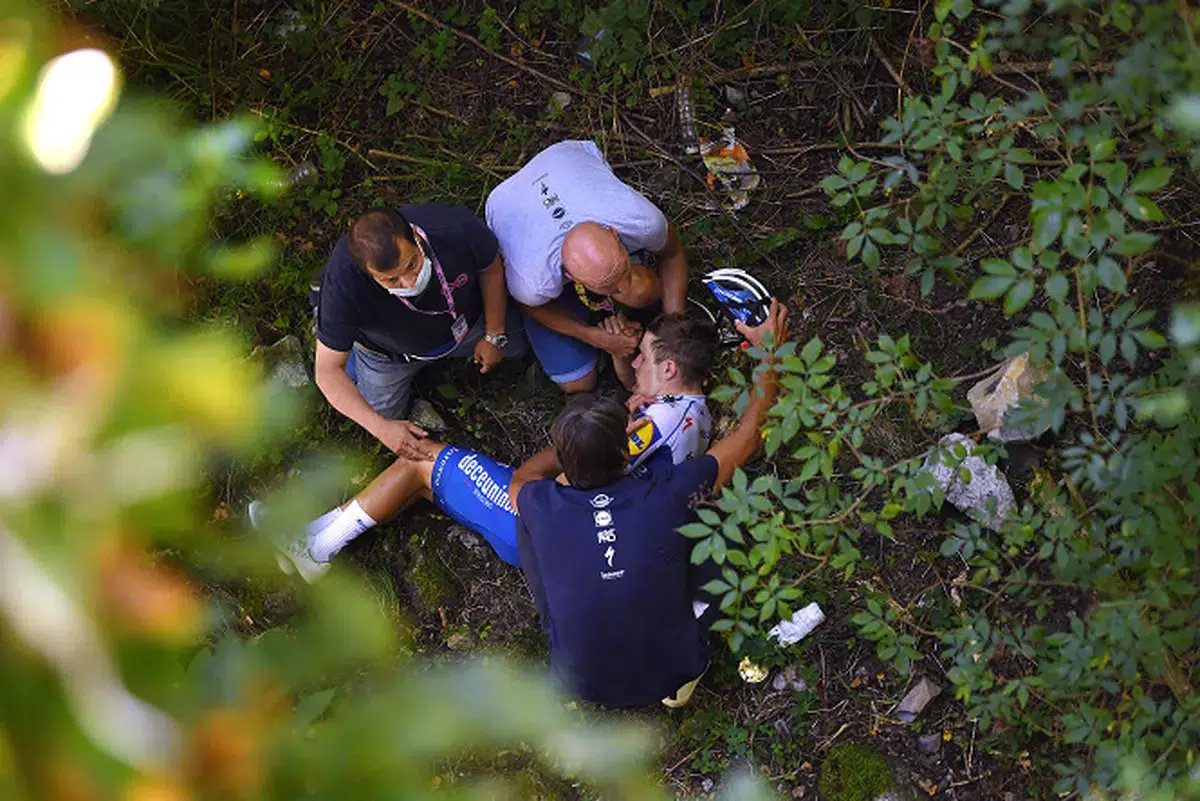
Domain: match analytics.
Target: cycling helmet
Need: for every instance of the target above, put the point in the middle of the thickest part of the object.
(739, 294)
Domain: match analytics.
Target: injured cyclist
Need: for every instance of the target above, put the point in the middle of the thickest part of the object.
(667, 410)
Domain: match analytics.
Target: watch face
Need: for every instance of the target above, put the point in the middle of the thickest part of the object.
(499, 340)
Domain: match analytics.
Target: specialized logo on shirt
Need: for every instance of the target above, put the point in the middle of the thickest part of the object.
(642, 438)
(607, 535)
(687, 423)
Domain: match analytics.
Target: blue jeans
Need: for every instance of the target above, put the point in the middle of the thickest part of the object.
(386, 384)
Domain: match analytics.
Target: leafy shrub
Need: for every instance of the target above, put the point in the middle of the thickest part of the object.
(1078, 619)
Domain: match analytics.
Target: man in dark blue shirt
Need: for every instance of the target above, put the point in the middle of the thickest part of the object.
(609, 573)
(405, 287)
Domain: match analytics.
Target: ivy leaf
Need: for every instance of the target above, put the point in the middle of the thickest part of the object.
(1135, 243)
(1056, 287)
(832, 183)
(1151, 179)
(1117, 175)
(999, 267)
(1102, 149)
(1047, 225)
(1108, 347)
(811, 350)
(854, 245)
(1019, 296)
(991, 287)
(1141, 208)
(1022, 258)
(1013, 175)
(1150, 340)
(870, 254)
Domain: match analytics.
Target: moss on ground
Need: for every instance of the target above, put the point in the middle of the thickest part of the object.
(853, 772)
(434, 583)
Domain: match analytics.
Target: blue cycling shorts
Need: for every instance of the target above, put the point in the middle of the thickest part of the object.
(473, 490)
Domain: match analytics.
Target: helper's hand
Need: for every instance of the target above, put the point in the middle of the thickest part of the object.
(486, 355)
(621, 344)
(637, 401)
(406, 440)
(619, 325)
(776, 324)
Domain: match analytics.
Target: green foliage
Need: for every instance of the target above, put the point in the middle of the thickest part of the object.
(489, 28)
(396, 89)
(852, 772)
(1078, 618)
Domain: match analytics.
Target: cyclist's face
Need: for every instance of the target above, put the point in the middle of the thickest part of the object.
(647, 372)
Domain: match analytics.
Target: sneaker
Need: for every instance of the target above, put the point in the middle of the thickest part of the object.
(291, 556)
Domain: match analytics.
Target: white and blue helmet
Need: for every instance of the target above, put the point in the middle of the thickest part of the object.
(739, 294)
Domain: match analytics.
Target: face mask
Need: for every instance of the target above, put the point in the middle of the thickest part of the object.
(418, 286)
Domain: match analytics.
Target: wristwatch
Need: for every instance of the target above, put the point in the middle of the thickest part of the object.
(498, 340)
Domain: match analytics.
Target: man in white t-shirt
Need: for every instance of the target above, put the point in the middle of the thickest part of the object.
(576, 240)
(672, 363)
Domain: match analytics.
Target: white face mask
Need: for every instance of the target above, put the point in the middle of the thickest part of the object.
(418, 286)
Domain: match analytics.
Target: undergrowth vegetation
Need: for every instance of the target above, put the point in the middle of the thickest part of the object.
(1077, 620)
(973, 181)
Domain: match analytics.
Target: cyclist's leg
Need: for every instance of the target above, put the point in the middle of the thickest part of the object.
(473, 489)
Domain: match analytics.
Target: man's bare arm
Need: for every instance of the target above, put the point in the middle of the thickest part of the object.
(495, 295)
(400, 436)
(739, 446)
(673, 270)
(543, 464)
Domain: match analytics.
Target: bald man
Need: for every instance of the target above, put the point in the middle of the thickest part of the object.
(580, 245)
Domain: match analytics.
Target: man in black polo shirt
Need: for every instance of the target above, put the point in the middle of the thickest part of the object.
(405, 287)
(610, 575)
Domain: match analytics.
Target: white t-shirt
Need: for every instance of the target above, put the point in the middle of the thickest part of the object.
(566, 184)
(678, 422)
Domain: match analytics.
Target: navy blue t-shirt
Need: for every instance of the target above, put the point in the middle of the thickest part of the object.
(609, 574)
(354, 308)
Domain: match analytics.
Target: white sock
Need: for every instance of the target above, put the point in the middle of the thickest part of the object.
(351, 522)
(321, 522)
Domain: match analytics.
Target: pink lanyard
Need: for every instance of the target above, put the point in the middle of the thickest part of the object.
(437, 266)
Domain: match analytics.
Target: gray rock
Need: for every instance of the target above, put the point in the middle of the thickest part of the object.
(559, 101)
(917, 698)
(929, 744)
(283, 362)
(424, 415)
(789, 679)
(467, 538)
(735, 97)
(460, 641)
(987, 482)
